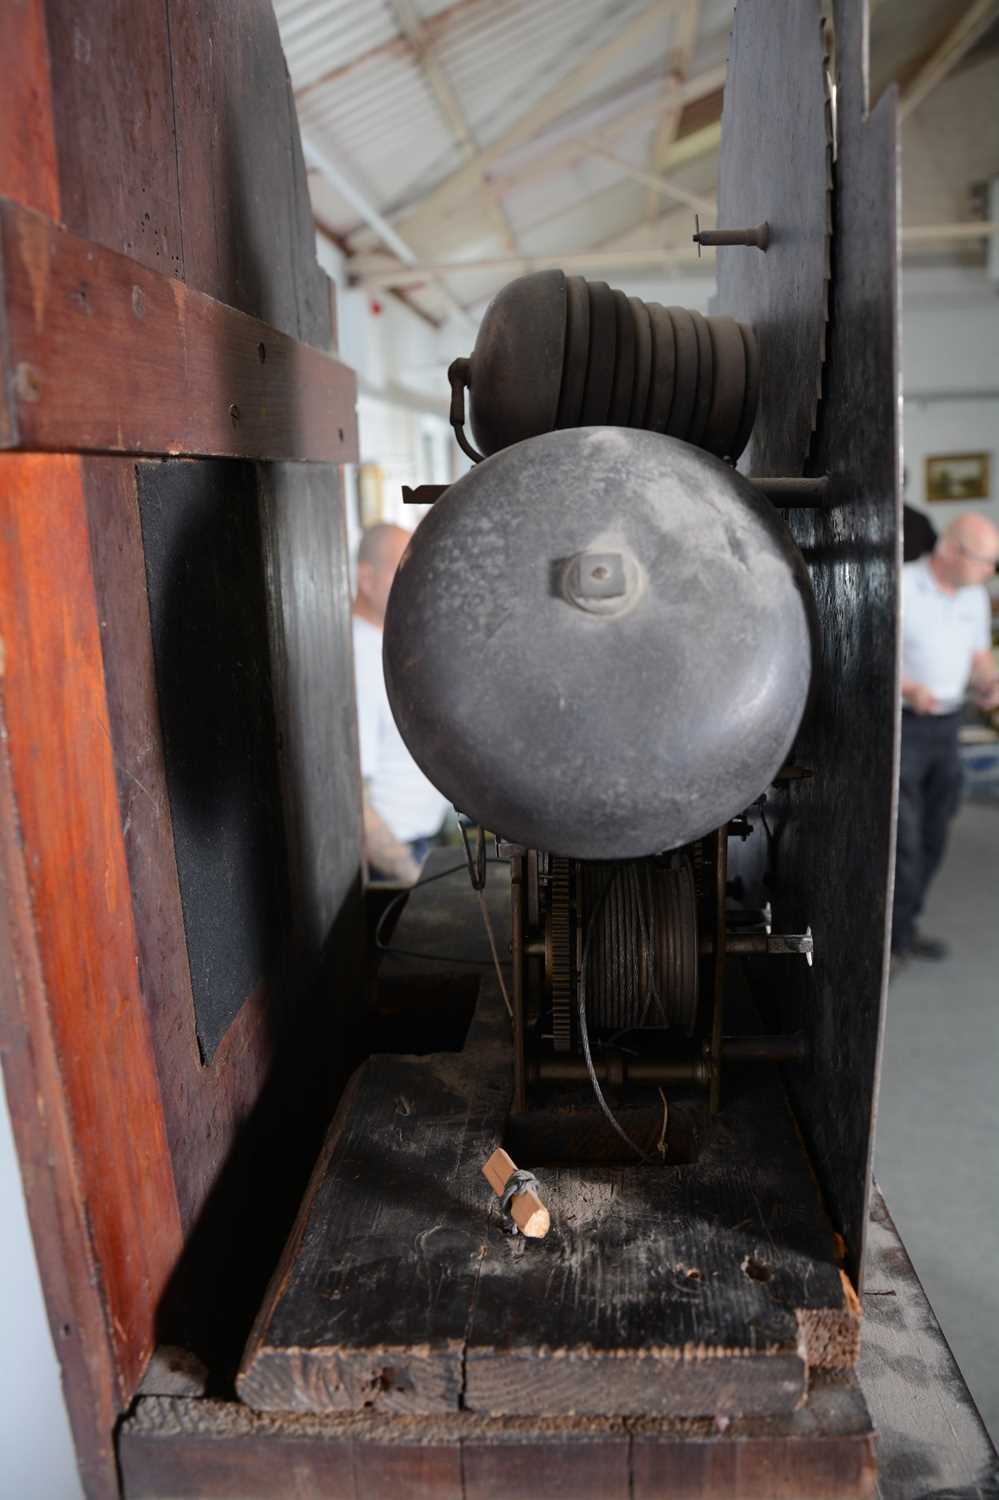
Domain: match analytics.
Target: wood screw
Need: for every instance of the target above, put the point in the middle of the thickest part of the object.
(758, 238)
(234, 414)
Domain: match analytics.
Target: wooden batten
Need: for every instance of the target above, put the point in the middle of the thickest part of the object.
(103, 355)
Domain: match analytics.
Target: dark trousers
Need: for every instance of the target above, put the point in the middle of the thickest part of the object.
(929, 790)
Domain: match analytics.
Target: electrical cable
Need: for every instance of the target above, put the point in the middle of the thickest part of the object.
(583, 1033)
(492, 948)
(382, 947)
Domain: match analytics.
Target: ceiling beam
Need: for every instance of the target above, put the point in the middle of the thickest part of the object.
(570, 139)
(421, 219)
(342, 184)
(363, 273)
(686, 25)
(944, 58)
(404, 298)
(659, 187)
(415, 31)
(653, 257)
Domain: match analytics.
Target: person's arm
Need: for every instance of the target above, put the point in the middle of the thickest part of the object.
(985, 680)
(917, 696)
(383, 851)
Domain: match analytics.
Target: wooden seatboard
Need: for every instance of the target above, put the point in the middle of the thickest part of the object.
(929, 1439)
(102, 355)
(708, 1288)
(372, 1301)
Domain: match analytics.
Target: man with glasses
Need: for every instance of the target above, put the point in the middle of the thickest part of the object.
(946, 650)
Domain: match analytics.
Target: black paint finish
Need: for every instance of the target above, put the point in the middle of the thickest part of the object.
(774, 168)
(834, 832)
(201, 537)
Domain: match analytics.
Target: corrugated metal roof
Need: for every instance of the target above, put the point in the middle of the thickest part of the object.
(400, 94)
(365, 97)
(320, 36)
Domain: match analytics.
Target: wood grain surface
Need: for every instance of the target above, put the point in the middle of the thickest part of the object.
(44, 1129)
(41, 1118)
(105, 356)
(183, 1449)
(55, 720)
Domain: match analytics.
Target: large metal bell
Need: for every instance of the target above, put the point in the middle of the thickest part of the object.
(599, 643)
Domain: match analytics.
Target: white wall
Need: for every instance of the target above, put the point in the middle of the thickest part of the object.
(401, 363)
(37, 1461)
(950, 378)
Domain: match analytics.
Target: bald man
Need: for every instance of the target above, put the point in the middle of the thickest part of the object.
(403, 812)
(946, 650)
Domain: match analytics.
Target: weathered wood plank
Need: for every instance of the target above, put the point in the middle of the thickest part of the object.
(106, 356)
(825, 1451)
(114, 127)
(706, 1288)
(514, 1466)
(673, 1290)
(242, 242)
(370, 1305)
(930, 1437)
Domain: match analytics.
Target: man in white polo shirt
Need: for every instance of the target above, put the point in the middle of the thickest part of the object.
(946, 636)
(403, 812)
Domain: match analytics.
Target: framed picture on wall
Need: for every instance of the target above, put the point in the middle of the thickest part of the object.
(957, 476)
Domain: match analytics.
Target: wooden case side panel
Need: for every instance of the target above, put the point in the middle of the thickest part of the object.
(44, 1136)
(305, 549)
(113, 111)
(43, 1125)
(834, 833)
(28, 172)
(68, 829)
